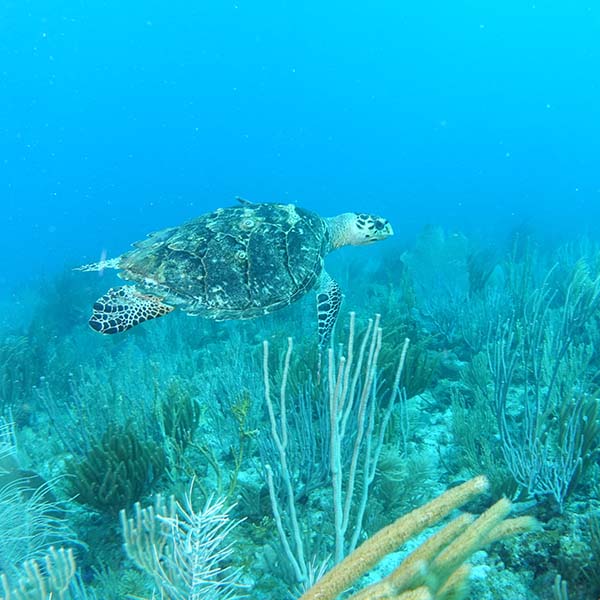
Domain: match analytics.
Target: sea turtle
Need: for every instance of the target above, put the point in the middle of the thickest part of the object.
(233, 263)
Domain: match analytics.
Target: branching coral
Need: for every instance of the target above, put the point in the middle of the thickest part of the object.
(118, 469)
(184, 550)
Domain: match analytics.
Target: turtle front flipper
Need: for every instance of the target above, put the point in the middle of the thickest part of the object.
(329, 300)
(124, 307)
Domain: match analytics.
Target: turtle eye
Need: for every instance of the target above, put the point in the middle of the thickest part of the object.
(379, 225)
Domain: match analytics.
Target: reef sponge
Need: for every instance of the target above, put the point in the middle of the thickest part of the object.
(436, 570)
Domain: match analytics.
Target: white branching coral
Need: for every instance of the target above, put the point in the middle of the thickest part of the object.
(186, 552)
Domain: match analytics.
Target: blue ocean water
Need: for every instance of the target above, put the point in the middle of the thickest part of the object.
(122, 118)
(473, 127)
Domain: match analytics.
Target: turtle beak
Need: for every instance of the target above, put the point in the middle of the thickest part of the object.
(384, 229)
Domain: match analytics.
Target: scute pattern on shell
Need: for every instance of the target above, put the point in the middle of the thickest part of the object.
(233, 263)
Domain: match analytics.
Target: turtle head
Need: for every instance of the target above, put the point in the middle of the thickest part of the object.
(358, 229)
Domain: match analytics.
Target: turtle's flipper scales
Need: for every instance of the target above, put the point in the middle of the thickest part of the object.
(329, 301)
(112, 263)
(122, 308)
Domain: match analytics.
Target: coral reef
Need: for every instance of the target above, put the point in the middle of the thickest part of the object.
(499, 378)
(119, 469)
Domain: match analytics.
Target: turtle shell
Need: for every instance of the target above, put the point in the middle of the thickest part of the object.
(233, 263)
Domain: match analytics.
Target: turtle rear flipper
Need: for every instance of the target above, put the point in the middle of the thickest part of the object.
(124, 307)
(111, 263)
